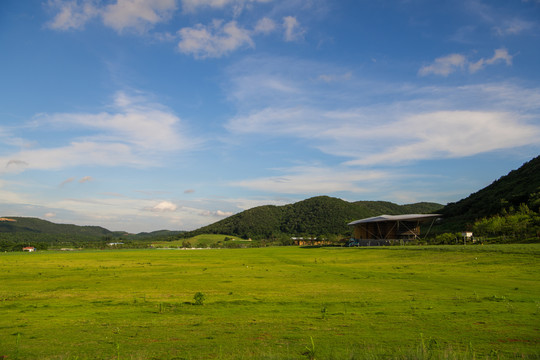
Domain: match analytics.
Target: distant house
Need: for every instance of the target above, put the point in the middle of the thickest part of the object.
(29, 248)
(384, 228)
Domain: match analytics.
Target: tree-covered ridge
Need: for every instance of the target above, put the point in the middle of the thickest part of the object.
(321, 215)
(38, 226)
(521, 186)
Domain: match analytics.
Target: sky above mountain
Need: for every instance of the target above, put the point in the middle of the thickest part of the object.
(141, 115)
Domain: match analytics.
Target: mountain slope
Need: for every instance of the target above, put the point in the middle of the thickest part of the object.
(517, 187)
(29, 225)
(321, 215)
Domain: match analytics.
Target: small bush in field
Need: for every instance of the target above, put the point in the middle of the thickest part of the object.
(199, 298)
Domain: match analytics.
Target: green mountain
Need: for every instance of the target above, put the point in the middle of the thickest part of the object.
(521, 186)
(321, 215)
(27, 225)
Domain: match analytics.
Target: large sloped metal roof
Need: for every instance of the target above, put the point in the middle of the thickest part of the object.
(406, 217)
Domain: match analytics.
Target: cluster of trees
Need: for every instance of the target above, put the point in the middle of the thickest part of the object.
(16, 241)
(521, 224)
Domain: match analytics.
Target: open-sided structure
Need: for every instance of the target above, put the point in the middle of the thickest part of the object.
(391, 227)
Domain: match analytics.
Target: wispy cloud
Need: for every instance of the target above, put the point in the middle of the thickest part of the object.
(164, 206)
(136, 15)
(265, 26)
(71, 15)
(214, 41)
(67, 181)
(449, 134)
(86, 179)
(139, 15)
(16, 163)
(501, 55)
(501, 21)
(238, 5)
(314, 180)
(137, 133)
(514, 26)
(398, 123)
(335, 77)
(446, 65)
(293, 30)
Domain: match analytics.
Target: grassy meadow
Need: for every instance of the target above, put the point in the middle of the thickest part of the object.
(456, 302)
(204, 241)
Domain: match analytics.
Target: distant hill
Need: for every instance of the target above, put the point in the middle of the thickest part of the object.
(153, 234)
(321, 215)
(28, 225)
(521, 186)
(46, 230)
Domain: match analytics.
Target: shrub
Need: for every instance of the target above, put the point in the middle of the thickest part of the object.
(199, 298)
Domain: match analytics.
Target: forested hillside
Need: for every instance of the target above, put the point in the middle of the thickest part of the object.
(321, 215)
(521, 186)
(39, 226)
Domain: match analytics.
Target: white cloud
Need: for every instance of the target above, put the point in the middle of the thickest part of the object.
(514, 26)
(448, 64)
(137, 122)
(444, 65)
(72, 14)
(193, 5)
(138, 15)
(314, 180)
(502, 21)
(49, 215)
(449, 134)
(213, 41)
(79, 153)
(501, 55)
(137, 133)
(293, 31)
(369, 138)
(164, 206)
(265, 26)
(85, 179)
(217, 213)
(201, 41)
(16, 163)
(398, 123)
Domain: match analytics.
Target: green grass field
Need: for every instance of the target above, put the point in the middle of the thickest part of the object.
(203, 241)
(270, 303)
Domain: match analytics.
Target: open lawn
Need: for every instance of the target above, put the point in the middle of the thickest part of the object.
(203, 241)
(270, 303)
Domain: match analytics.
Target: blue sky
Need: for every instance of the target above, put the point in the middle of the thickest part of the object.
(141, 115)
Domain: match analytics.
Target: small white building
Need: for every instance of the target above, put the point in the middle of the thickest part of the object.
(29, 248)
